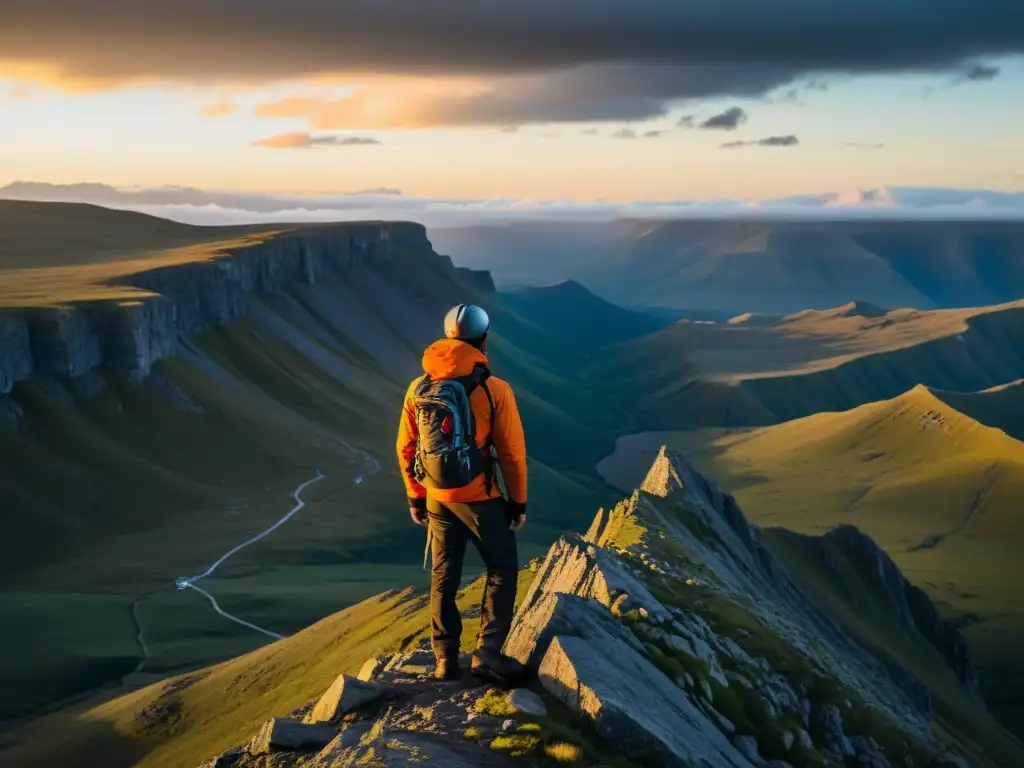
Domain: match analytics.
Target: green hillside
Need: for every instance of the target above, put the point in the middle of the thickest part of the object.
(939, 491)
(183, 721)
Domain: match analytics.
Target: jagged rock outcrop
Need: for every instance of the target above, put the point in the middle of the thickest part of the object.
(183, 299)
(676, 580)
(632, 703)
(670, 632)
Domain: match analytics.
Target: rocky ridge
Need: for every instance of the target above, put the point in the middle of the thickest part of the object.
(178, 301)
(668, 635)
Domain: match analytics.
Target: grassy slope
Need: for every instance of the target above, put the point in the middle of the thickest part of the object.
(939, 491)
(67, 234)
(197, 716)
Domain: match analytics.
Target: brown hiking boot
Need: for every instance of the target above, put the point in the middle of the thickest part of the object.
(447, 669)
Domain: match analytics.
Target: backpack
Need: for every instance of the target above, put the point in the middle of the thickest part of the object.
(447, 456)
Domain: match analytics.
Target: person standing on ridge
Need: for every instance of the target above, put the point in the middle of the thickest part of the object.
(456, 417)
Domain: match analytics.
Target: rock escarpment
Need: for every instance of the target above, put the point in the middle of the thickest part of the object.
(180, 300)
(910, 603)
(669, 635)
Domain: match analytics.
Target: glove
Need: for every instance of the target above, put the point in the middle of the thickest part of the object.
(418, 511)
(517, 514)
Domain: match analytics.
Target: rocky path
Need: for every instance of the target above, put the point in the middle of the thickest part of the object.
(395, 714)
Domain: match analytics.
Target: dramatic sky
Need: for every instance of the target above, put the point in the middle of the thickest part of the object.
(580, 100)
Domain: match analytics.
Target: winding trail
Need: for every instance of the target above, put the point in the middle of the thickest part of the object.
(226, 615)
(189, 582)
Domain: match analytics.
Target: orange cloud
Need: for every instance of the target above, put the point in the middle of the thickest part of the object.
(301, 140)
(392, 102)
(221, 108)
(57, 79)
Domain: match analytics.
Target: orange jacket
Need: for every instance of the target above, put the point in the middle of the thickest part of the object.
(449, 359)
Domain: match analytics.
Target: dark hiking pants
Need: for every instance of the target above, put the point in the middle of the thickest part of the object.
(452, 526)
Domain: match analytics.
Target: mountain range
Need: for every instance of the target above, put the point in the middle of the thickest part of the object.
(205, 527)
(736, 265)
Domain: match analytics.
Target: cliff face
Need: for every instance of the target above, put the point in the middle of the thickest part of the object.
(884, 580)
(910, 603)
(185, 299)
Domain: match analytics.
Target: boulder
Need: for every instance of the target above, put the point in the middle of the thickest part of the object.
(787, 740)
(575, 566)
(747, 746)
(345, 695)
(371, 668)
(527, 702)
(281, 733)
(740, 680)
(634, 706)
(724, 723)
(556, 613)
(827, 724)
(705, 688)
(803, 738)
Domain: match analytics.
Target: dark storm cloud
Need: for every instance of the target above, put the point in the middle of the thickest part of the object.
(726, 121)
(981, 72)
(632, 58)
(771, 141)
(279, 38)
(600, 92)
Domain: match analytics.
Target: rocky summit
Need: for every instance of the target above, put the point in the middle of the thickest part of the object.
(669, 635)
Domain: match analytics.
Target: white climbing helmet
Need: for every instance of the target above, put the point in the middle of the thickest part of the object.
(466, 322)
